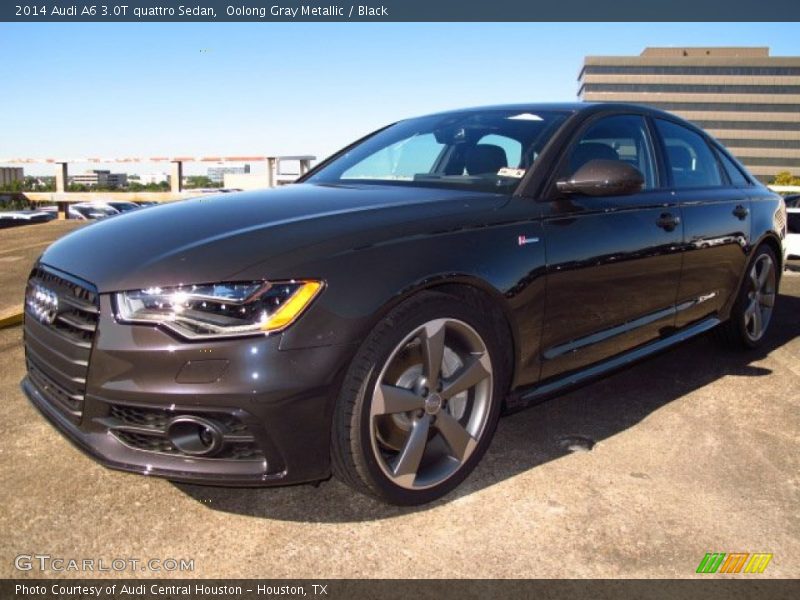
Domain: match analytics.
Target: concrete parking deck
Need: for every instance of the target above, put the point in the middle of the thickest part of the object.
(694, 451)
(19, 249)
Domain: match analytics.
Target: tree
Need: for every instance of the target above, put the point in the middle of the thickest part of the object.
(785, 178)
(200, 181)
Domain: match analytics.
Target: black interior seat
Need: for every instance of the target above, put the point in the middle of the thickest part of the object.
(485, 159)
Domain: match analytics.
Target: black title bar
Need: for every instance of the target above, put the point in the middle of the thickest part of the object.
(398, 10)
(710, 588)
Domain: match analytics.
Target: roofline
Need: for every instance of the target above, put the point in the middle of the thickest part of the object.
(526, 106)
(564, 107)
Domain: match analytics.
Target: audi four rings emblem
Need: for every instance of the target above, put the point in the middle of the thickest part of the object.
(42, 304)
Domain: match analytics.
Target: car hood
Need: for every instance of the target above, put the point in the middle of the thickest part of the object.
(264, 234)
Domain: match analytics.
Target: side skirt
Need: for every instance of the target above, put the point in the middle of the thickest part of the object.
(533, 395)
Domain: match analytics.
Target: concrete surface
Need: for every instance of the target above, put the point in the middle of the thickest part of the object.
(19, 249)
(695, 451)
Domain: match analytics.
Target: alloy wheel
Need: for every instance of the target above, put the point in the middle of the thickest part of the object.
(431, 404)
(761, 297)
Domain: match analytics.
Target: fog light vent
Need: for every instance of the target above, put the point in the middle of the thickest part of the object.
(195, 436)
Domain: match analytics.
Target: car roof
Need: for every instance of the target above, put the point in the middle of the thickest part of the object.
(571, 107)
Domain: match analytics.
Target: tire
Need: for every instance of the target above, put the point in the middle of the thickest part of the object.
(400, 438)
(752, 311)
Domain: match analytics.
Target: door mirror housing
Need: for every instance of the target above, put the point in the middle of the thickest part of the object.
(601, 177)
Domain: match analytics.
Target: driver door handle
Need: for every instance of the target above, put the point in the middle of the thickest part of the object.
(668, 221)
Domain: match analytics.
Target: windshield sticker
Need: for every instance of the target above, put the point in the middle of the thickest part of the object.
(509, 172)
(525, 117)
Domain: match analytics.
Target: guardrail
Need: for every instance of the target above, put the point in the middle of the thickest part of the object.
(62, 198)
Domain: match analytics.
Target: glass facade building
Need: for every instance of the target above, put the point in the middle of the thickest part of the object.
(747, 99)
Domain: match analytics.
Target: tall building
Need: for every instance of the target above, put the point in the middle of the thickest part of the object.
(217, 174)
(95, 178)
(747, 99)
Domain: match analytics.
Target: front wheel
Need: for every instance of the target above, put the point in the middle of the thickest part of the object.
(420, 402)
(752, 312)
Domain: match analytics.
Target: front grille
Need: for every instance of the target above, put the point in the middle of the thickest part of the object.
(144, 428)
(61, 314)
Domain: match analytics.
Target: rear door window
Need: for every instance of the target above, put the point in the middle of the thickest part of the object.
(690, 161)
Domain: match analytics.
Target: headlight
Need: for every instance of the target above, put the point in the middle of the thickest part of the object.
(220, 309)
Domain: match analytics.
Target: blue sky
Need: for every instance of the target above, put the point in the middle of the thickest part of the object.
(287, 88)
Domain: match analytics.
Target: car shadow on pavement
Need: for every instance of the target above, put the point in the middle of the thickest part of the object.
(545, 432)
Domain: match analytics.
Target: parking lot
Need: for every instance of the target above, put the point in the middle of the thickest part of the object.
(21, 246)
(637, 475)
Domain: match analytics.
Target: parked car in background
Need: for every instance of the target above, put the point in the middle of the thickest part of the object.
(373, 320)
(91, 210)
(793, 232)
(15, 218)
(146, 203)
(122, 205)
(792, 200)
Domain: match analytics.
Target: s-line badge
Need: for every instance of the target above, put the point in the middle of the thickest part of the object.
(524, 240)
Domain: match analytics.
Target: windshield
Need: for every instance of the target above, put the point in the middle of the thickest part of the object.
(487, 150)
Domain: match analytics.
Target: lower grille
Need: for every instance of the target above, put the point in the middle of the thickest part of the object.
(158, 418)
(151, 443)
(61, 314)
(72, 402)
(147, 429)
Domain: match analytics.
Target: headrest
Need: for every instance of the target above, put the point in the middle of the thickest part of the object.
(485, 158)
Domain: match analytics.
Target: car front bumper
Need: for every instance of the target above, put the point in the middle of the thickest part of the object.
(274, 405)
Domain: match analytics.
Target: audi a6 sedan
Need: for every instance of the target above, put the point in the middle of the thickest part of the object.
(373, 320)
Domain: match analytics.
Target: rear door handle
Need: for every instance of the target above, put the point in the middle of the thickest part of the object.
(668, 221)
(741, 212)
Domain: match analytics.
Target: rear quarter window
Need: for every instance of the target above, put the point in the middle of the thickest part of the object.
(734, 173)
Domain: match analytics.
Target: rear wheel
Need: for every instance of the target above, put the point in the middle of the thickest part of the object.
(420, 402)
(752, 312)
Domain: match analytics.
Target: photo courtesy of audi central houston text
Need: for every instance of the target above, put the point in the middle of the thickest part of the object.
(374, 320)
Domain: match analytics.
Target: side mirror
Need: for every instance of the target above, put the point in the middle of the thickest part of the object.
(603, 178)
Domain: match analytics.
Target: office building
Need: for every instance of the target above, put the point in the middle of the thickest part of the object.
(747, 99)
(100, 178)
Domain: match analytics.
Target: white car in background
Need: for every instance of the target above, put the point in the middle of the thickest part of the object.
(14, 218)
(123, 205)
(793, 232)
(88, 211)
